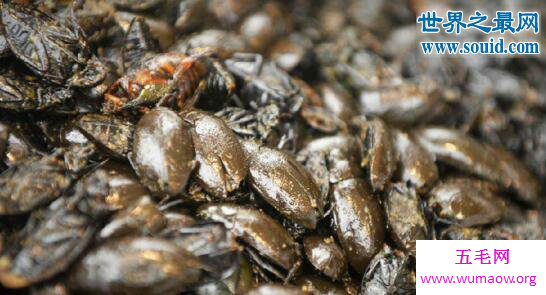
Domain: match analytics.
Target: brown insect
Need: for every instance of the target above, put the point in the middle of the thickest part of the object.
(169, 79)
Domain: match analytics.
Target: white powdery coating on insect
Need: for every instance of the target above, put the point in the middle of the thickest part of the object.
(151, 154)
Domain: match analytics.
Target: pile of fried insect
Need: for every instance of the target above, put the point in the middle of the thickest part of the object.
(268, 147)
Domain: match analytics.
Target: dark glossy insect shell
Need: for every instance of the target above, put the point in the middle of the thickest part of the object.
(95, 78)
(456, 232)
(203, 146)
(488, 162)
(48, 48)
(20, 94)
(358, 221)
(314, 284)
(77, 157)
(4, 135)
(160, 27)
(108, 132)
(71, 221)
(320, 119)
(343, 164)
(20, 146)
(338, 101)
(380, 156)
(141, 218)
(388, 273)
(331, 160)
(293, 52)
(405, 218)
(316, 164)
(191, 14)
(138, 43)
(517, 225)
(138, 5)
(213, 243)
(202, 239)
(262, 27)
(266, 81)
(135, 264)
(341, 153)
(222, 166)
(285, 185)
(124, 188)
(176, 221)
(325, 255)
(277, 289)
(262, 125)
(91, 196)
(239, 281)
(467, 201)
(51, 288)
(219, 85)
(32, 183)
(41, 258)
(230, 12)
(403, 104)
(224, 43)
(257, 230)
(517, 177)
(417, 165)
(162, 154)
(97, 23)
(4, 46)
(459, 150)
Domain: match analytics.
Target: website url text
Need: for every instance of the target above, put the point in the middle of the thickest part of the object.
(491, 47)
(531, 280)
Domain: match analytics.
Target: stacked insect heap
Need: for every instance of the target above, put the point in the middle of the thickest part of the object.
(260, 147)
